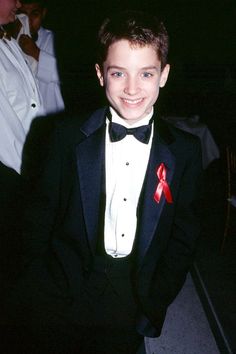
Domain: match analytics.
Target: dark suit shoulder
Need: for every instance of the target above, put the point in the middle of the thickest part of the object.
(183, 145)
(55, 133)
(77, 126)
(173, 133)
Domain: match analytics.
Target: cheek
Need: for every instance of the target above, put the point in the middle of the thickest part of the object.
(7, 11)
(154, 89)
(112, 86)
(35, 24)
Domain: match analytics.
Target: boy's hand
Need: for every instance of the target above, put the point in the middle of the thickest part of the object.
(28, 46)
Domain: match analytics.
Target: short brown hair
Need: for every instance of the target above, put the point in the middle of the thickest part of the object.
(138, 28)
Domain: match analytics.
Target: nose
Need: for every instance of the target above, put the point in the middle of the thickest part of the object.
(131, 86)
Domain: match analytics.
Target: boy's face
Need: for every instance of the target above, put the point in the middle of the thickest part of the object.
(36, 14)
(132, 77)
(8, 10)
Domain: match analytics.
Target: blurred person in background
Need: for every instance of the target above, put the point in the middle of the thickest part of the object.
(20, 103)
(38, 45)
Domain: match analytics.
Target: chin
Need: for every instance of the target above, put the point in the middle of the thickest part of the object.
(11, 19)
(134, 116)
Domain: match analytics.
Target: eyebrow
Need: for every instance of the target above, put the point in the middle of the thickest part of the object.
(112, 67)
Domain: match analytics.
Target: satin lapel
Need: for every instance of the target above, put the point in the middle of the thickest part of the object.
(90, 166)
(149, 211)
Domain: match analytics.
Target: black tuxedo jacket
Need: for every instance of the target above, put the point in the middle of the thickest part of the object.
(63, 218)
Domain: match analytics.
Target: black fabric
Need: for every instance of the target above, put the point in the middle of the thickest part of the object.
(4, 34)
(100, 247)
(12, 203)
(50, 322)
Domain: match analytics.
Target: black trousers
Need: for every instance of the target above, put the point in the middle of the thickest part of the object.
(100, 320)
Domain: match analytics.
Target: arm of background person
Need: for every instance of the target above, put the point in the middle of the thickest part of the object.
(12, 134)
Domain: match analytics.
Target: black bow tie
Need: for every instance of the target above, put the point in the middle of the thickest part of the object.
(4, 34)
(118, 132)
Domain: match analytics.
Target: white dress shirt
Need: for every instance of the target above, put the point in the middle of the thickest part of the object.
(126, 164)
(19, 102)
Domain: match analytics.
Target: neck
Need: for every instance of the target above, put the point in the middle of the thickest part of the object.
(127, 123)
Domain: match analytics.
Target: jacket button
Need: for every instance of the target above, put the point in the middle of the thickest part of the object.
(33, 105)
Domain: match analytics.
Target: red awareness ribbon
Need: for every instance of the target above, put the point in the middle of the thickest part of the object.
(162, 185)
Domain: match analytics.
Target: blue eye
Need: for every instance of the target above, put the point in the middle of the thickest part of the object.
(147, 74)
(118, 74)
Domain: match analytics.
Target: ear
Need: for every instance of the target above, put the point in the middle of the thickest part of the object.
(164, 75)
(99, 74)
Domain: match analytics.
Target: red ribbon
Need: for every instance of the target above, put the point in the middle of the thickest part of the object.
(162, 185)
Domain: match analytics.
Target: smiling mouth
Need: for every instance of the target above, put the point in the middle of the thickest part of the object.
(132, 102)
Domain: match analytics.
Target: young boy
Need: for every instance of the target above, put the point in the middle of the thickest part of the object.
(39, 45)
(111, 234)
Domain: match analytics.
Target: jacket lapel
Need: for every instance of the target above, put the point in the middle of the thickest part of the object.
(149, 210)
(90, 166)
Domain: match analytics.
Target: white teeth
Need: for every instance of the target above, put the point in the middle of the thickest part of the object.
(132, 101)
